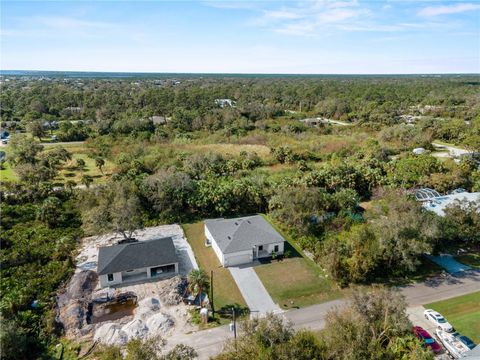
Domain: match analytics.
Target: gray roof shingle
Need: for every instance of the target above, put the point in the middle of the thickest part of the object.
(232, 235)
(136, 255)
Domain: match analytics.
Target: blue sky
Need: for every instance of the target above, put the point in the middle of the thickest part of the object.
(327, 37)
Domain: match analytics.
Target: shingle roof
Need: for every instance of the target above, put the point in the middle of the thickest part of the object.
(232, 235)
(136, 255)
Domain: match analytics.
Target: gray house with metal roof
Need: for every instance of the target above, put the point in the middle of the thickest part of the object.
(242, 240)
(137, 261)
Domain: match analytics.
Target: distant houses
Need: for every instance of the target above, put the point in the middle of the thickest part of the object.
(225, 103)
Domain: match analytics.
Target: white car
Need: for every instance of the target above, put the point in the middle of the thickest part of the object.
(439, 321)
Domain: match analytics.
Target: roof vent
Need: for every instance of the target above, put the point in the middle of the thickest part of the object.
(236, 223)
(229, 238)
(248, 221)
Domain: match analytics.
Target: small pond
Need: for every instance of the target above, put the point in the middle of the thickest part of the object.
(111, 311)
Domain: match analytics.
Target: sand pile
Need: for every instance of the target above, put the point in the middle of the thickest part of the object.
(148, 321)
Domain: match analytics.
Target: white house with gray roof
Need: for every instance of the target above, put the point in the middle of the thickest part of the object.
(137, 261)
(243, 240)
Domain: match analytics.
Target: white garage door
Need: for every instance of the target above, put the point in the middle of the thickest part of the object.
(233, 260)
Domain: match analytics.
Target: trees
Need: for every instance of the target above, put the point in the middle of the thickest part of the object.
(23, 150)
(373, 325)
(99, 163)
(198, 280)
(300, 207)
(148, 349)
(461, 223)
(392, 242)
(169, 192)
(36, 129)
(115, 207)
(271, 338)
(404, 232)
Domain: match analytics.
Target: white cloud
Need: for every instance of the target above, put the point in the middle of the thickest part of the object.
(312, 17)
(448, 9)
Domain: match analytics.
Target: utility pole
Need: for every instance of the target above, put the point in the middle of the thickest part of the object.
(211, 293)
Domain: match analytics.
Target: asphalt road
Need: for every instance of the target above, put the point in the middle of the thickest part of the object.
(210, 342)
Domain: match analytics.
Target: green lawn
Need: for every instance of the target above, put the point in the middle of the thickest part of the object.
(6, 174)
(463, 313)
(225, 289)
(296, 281)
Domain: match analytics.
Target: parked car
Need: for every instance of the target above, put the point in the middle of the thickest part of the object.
(439, 321)
(427, 339)
(467, 341)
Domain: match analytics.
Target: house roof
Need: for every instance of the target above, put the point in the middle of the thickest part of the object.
(136, 255)
(232, 235)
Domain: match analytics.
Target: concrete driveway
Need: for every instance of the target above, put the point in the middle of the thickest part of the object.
(253, 291)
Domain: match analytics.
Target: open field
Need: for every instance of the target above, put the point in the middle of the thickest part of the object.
(226, 291)
(296, 281)
(463, 313)
(69, 171)
(6, 173)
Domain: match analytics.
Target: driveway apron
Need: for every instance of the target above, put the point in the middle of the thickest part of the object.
(253, 291)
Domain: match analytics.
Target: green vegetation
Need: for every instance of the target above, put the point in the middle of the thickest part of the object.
(295, 280)
(463, 312)
(373, 325)
(471, 259)
(225, 289)
(166, 152)
(293, 283)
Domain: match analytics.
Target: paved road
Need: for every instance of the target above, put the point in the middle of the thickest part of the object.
(253, 291)
(210, 342)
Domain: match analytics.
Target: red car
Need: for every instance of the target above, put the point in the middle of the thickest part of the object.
(427, 340)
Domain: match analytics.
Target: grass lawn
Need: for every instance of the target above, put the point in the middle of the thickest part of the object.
(296, 281)
(463, 313)
(70, 171)
(225, 289)
(6, 174)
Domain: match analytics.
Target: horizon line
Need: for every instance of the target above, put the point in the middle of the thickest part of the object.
(228, 73)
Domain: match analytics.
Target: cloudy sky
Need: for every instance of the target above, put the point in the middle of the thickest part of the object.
(327, 37)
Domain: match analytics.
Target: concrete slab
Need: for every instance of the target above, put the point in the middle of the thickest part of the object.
(253, 291)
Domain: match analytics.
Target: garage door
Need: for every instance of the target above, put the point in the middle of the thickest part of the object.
(233, 260)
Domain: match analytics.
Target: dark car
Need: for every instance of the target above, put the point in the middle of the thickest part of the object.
(427, 340)
(467, 341)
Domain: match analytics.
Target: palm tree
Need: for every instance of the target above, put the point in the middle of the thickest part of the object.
(198, 280)
(99, 162)
(86, 180)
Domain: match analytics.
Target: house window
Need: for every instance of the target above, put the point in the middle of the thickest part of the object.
(110, 277)
(260, 247)
(275, 248)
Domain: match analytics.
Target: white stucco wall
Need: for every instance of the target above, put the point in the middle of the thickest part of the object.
(117, 279)
(214, 245)
(270, 247)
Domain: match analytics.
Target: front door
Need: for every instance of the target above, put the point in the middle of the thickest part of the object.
(254, 251)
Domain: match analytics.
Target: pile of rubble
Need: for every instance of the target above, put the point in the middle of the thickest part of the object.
(171, 293)
(72, 304)
(148, 321)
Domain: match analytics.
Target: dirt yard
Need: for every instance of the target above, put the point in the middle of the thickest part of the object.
(158, 309)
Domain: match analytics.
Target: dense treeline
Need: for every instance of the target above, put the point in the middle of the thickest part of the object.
(343, 194)
(39, 233)
(123, 106)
